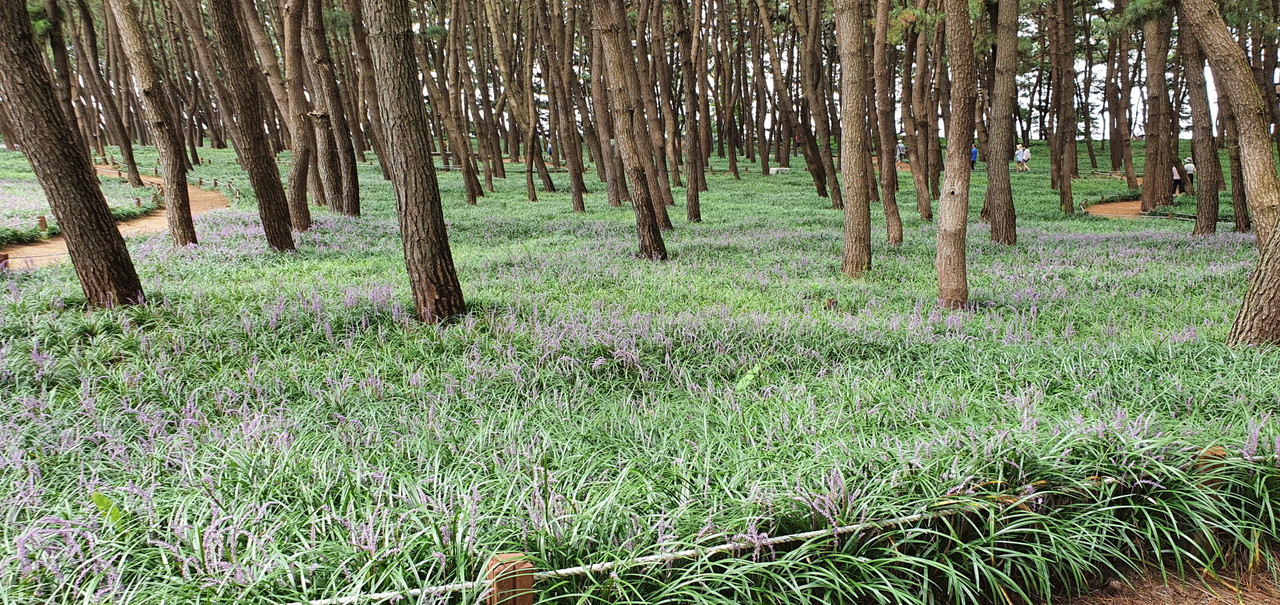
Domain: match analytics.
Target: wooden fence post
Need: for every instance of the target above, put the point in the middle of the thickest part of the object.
(512, 575)
(42, 223)
(4, 262)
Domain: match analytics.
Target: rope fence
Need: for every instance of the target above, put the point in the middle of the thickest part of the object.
(497, 576)
(509, 577)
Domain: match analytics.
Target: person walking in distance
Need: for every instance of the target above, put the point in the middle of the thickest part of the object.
(1177, 181)
(1189, 167)
(973, 157)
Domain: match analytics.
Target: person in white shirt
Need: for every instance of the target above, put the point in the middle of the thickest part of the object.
(1177, 181)
(1190, 168)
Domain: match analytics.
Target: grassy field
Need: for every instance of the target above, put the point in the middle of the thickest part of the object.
(272, 428)
(22, 201)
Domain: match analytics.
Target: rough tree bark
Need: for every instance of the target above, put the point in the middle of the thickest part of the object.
(1203, 149)
(630, 125)
(1258, 321)
(888, 147)
(953, 206)
(97, 250)
(437, 293)
(1004, 97)
(252, 146)
(155, 105)
(855, 145)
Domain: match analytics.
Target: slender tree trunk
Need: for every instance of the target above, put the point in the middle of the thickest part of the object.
(1004, 98)
(97, 250)
(953, 207)
(326, 87)
(304, 136)
(437, 294)
(1157, 180)
(888, 133)
(1203, 149)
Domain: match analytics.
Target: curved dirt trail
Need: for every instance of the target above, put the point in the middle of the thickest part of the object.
(54, 249)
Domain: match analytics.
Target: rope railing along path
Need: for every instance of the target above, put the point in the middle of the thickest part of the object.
(514, 576)
(655, 559)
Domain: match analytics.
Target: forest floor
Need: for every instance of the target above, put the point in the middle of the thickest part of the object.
(1247, 588)
(54, 249)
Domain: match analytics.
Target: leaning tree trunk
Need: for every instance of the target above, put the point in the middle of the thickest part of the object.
(437, 294)
(630, 125)
(1258, 321)
(97, 251)
(1004, 97)
(953, 206)
(155, 105)
(851, 36)
(252, 146)
(1231, 72)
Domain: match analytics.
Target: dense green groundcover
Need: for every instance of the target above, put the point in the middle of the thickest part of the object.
(271, 428)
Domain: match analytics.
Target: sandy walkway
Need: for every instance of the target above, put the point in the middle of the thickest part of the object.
(1117, 209)
(54, 249)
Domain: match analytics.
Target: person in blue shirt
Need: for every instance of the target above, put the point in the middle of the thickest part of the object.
(973, 157)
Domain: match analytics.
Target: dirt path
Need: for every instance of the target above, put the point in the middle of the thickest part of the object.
(1117, 209)
(54, 249)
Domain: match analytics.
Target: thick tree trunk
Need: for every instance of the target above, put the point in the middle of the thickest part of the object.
(244, 100)
(630, 125)
(437, 294)
(1258, 321)
(156, 107)
(97, 251)
(855, 145)
(953, 207)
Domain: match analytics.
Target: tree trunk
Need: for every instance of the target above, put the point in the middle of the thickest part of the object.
(304, 136)
(1232, 74)
(953, 206)
(855, 145)
(97, 250)
(155, 104)
(888, 161)
(1203, 149)
(1004, 97)
(1157, 180)
(437, 294)
(244, 101)
(630, 125)
(330, 104)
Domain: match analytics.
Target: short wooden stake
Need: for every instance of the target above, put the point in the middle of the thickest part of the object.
(119, 174)
(4, 262)
(512, 575)
(137, 201)
(42, 223)
(215, 183)
(200, 182)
